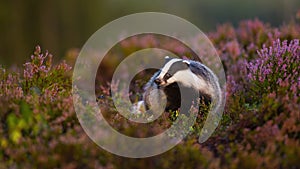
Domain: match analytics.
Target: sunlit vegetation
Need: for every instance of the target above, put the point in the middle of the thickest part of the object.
(260, 127)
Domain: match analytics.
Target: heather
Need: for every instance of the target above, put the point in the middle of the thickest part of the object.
(260, 127)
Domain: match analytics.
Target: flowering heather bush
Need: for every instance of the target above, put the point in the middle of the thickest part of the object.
(276, 68)
(260, 127)
(39, 76)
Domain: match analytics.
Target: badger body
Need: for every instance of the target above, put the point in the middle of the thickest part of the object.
(178, 75)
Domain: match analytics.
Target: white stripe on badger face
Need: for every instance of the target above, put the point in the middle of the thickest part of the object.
(189, 79)
(167, 66)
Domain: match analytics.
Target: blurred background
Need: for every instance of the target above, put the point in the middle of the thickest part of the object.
(60, 26)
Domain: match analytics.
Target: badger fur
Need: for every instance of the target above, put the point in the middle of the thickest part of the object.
(195, 78)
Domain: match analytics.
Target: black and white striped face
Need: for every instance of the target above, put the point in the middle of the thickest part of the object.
(187, 73)
(174, 70)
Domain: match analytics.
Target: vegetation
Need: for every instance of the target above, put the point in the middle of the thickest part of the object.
(260, 127)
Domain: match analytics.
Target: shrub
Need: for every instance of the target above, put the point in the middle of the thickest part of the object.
(259, 129)
(276, 69)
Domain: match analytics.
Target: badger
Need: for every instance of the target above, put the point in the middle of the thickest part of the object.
(176, 78)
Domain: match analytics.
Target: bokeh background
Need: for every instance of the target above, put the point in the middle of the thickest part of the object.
(60, 26)
(260, 125)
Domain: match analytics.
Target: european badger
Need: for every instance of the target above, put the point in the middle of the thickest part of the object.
(180, 79)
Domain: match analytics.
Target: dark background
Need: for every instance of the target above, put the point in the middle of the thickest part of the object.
(60, 25)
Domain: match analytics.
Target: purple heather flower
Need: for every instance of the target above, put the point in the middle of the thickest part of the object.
(277, 65)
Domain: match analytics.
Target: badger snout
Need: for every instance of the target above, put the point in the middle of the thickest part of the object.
(160, 83)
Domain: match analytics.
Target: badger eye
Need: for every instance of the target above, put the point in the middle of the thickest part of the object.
(168, 75)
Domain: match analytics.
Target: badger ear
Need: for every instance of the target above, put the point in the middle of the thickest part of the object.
(186, 62)
(167, 59)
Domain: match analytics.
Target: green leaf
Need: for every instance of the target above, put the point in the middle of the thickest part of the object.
(21, 124)
(12, 121)
(26, 112)
(15, 136)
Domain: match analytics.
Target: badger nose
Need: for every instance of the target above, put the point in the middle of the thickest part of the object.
(157, 81)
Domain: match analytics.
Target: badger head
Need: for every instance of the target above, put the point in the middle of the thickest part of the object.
(176, 71)
(169, 73)
(179, 71)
